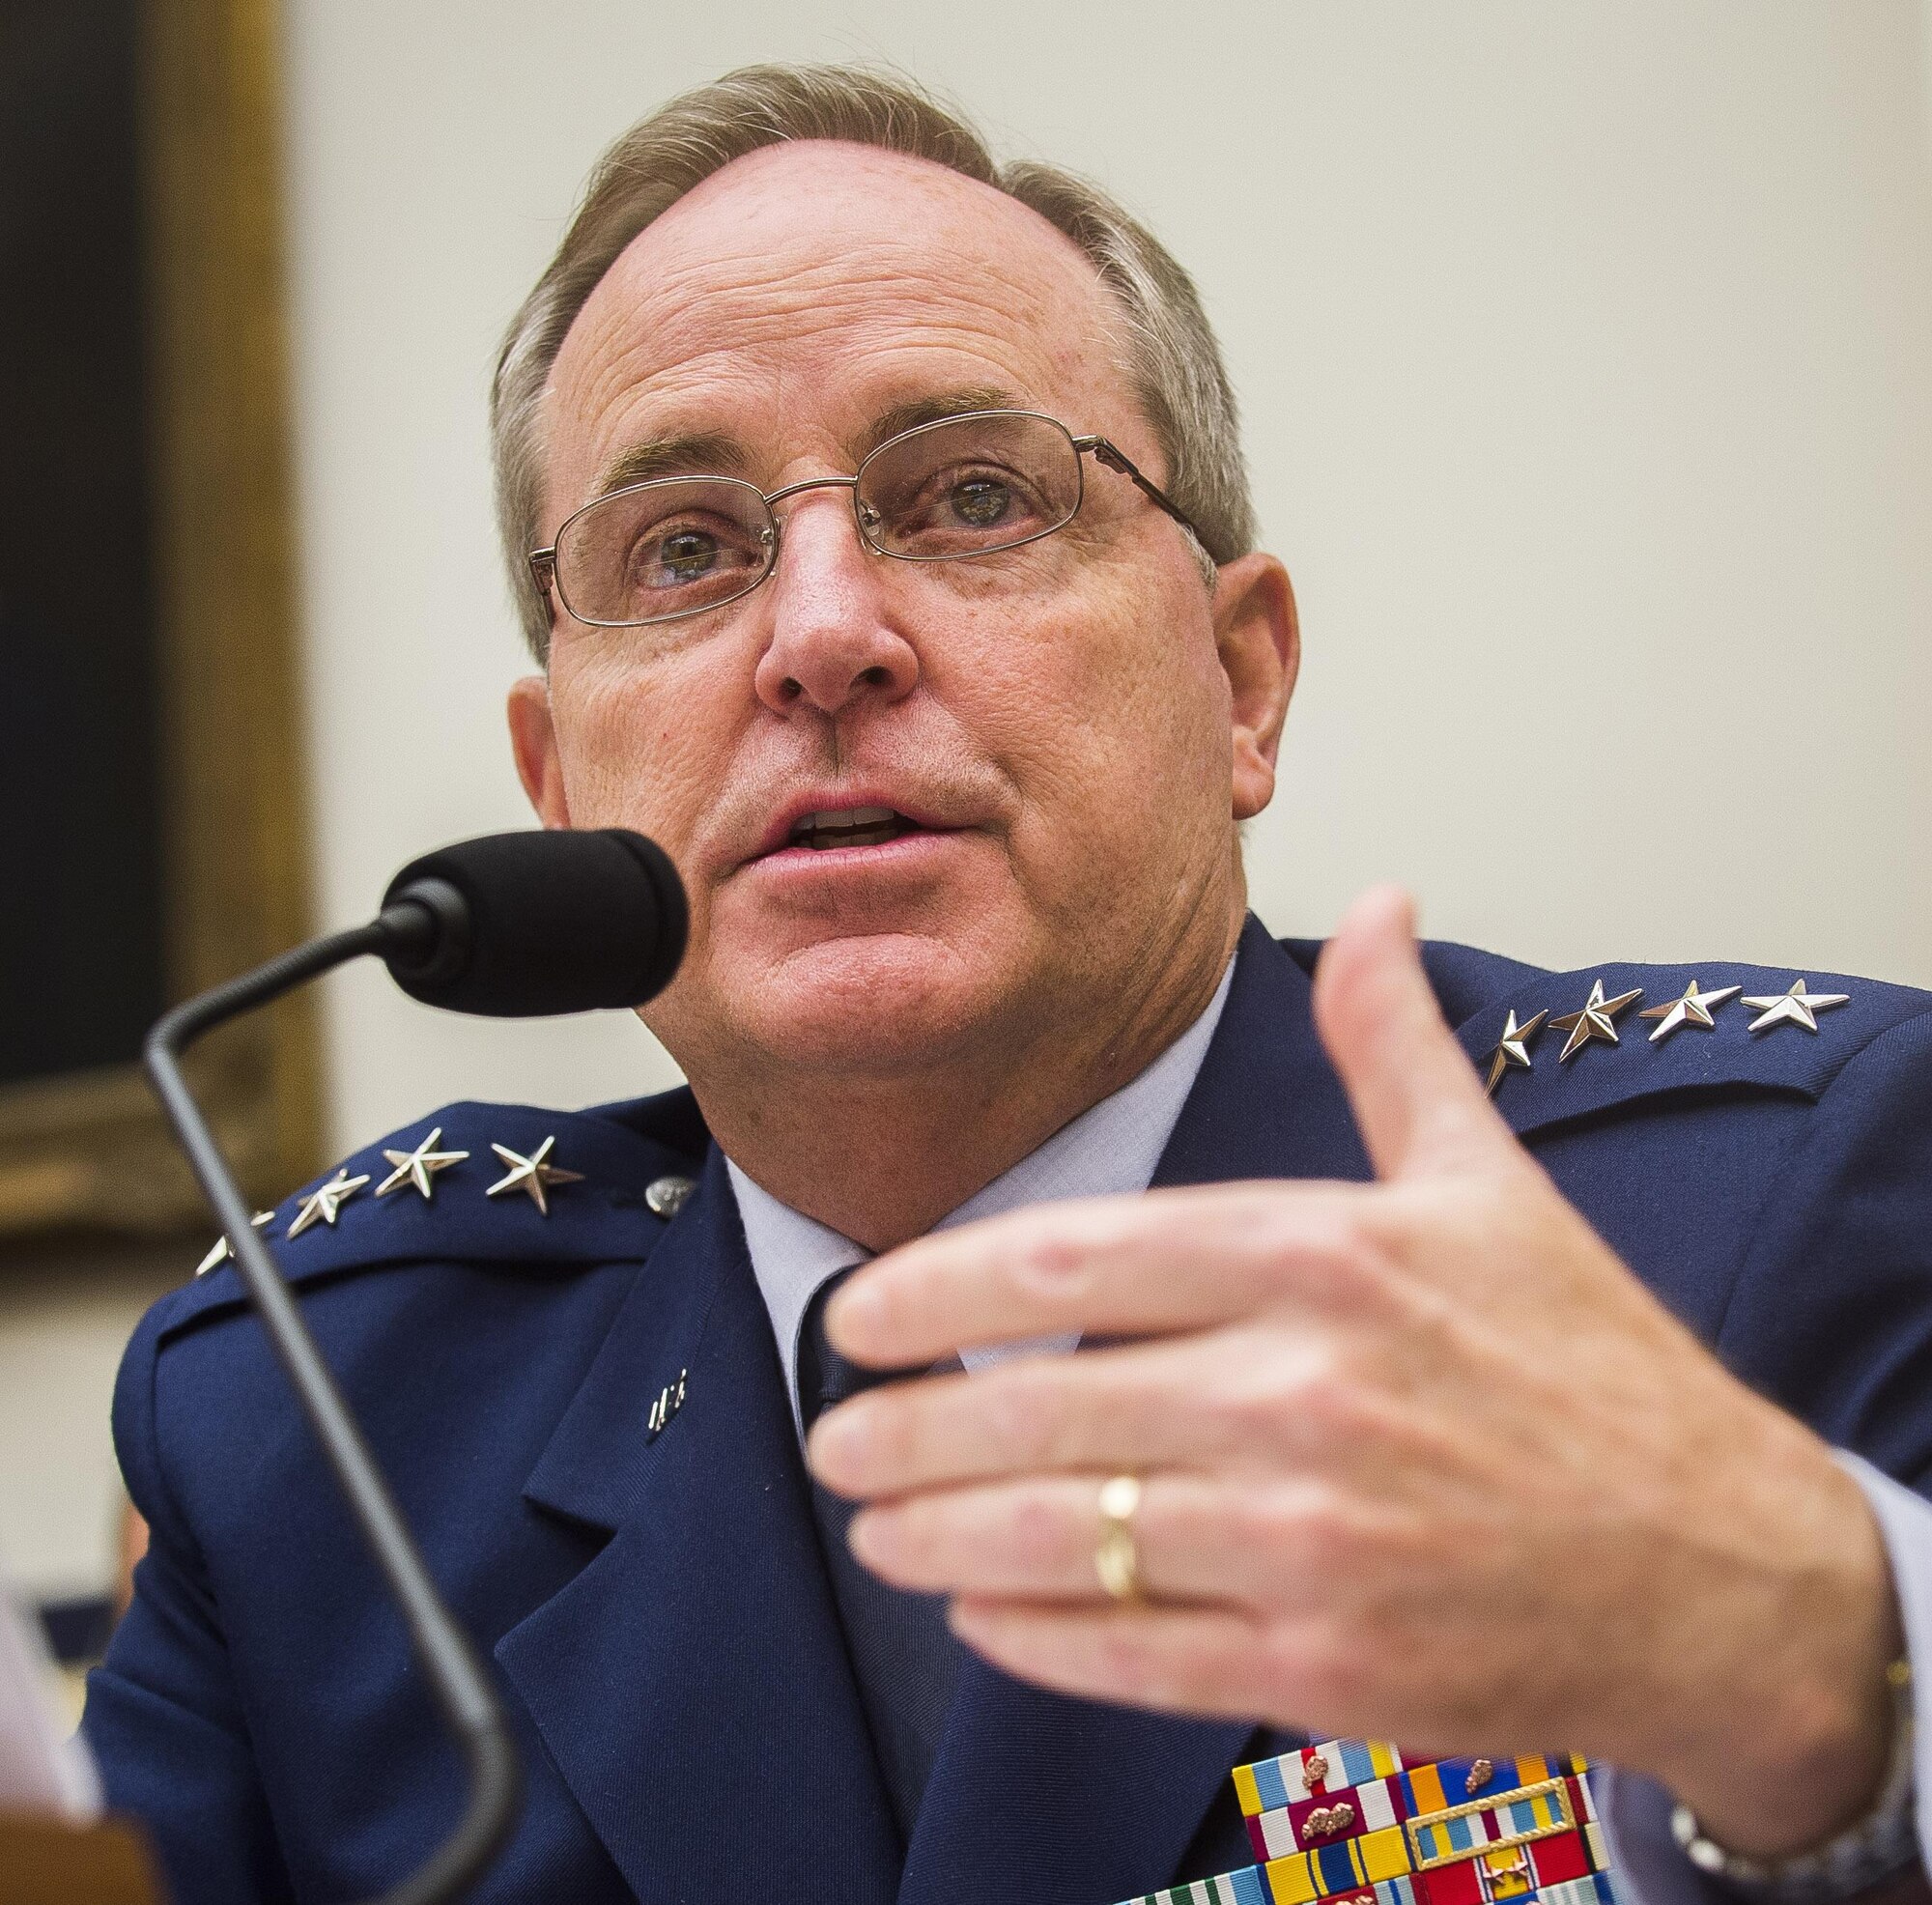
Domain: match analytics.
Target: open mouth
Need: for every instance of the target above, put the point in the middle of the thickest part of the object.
(851, 826)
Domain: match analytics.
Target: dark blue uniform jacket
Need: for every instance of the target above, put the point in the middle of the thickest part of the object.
(656, 1608)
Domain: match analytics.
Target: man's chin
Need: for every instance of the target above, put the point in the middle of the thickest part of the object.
(876, 1002)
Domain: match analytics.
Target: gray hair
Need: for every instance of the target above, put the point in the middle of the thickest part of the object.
(1170, 353)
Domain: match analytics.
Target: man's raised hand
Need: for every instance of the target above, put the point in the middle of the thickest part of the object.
(1420, 1460)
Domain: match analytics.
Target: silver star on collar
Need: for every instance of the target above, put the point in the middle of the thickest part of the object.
(224, 1249)
(1793, 1007)
(532, 1173)
(1692, 1009)
(1594, 1020)
(419, 1167)
(1512, 1049)
(323, 1202)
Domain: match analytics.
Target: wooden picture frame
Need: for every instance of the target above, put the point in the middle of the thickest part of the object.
(89, 1151)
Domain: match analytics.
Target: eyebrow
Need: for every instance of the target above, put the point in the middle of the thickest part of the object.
(712, 453)
(704, 453)
(939, 406)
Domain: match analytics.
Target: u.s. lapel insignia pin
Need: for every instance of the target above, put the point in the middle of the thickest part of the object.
(669, 1399)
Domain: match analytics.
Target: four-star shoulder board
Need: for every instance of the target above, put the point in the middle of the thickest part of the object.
(1594, 1021)
(1352, 1822)
(533, 1176)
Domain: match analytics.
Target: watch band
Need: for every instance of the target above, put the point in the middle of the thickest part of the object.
(1880, 1846)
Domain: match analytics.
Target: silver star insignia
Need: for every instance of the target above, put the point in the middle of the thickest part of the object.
(321, 1204)
(1512, 1049)
(1594, 1020)
(1693, 1008)
(223, 1250)
(417, 1167)
(1793, 1007)
(532, 1173)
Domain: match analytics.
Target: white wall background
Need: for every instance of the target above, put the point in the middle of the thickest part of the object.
(1585, 354)
(1586, 359)
(62, 1329)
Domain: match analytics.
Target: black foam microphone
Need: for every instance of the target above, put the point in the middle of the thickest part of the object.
(515, 924)
(527, 925)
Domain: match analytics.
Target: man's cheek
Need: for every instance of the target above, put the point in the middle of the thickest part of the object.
(628, 762)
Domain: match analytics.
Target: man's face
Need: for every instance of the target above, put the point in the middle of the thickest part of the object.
(1056, 721)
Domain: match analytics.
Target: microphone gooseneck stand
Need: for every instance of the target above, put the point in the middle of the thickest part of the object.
(469, 1705)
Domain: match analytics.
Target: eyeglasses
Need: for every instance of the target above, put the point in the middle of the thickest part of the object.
(946, 492)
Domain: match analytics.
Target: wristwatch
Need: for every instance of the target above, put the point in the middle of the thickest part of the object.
(1880, 1846)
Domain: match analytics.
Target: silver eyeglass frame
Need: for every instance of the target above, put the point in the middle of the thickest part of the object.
(543, 562)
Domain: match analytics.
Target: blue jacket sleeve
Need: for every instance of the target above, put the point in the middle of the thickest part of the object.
(1833, 1310)
(1832, 1314)
(163, 1719)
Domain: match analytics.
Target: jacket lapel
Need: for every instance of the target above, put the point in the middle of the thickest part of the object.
(1036, 1796)
(1266, 1102)
(691, 1683)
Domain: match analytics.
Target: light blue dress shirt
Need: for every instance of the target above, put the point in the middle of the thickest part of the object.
(1113, 1146)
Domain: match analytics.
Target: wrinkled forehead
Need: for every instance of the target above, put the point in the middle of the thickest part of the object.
(805, 291)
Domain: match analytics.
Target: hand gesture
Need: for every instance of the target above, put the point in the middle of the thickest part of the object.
(1418, 1460)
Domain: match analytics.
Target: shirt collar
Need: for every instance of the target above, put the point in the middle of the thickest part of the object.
(1111, 1148)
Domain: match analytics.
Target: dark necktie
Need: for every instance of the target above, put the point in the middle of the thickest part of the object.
(904, 1655)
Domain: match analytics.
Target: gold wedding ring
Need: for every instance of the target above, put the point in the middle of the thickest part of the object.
(1115, 1560)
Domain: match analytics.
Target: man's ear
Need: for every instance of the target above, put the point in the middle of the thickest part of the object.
(533, 739)
(1259, 644)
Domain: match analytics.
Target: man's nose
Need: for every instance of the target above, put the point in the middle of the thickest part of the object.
(834, 643)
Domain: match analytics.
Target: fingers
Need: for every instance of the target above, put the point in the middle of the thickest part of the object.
(1238, 1399)
(1198, 1539)
(1188, 1660)
(1166, 1261)
(1416, 1099)
(1037, 1413)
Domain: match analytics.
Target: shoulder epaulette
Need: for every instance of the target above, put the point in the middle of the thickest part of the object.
(480, 1183)
(1565, 1044)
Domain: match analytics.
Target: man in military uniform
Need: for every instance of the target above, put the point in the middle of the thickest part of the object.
(879, 521)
